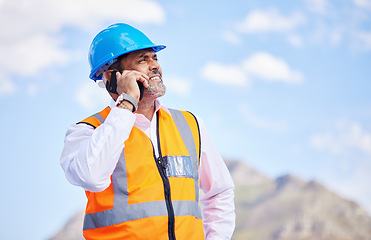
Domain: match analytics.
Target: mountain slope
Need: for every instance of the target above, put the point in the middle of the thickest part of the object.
(285, 208)
(290, 208)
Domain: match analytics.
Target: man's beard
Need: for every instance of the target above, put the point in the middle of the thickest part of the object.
(157, 90)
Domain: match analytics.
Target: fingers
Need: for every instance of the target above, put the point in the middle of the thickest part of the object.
(145, 81)
(138, 76)
(127, 82)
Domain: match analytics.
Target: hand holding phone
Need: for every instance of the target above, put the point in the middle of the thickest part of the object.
(113, 85)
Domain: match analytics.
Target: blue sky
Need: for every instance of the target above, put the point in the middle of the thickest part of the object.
(284, 86)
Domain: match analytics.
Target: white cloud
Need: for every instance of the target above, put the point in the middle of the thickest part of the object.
(31, 31)
(258, 121)
(43, 16)
(351, 183)
(363, 3)
(263, 65)
(318, 6)
(232, 38)
(346, 138)
(33, 54)
(362, 41)
(225, 74)
(347, 171)
(6, 86)
(271, 68)
(295, 40)
(178, 85)
(259, 21)
(33, 89)
(91, 96)
(336, 36)
(332, 25)
(326, 141)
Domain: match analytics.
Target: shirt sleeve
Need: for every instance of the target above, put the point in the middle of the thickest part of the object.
(89, 156)
(217, 185)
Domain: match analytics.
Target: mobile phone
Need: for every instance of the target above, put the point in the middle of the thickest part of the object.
(113, 85)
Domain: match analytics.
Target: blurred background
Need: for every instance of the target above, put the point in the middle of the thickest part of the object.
(282, 85)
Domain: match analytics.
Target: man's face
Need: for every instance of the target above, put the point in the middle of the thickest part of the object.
(145, 61)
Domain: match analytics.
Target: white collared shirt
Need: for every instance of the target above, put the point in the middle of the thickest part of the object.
(89, 157)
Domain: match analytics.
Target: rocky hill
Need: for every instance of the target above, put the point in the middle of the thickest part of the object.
(286, 208)
(289, 208)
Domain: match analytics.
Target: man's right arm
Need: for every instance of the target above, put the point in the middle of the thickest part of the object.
(89, 156)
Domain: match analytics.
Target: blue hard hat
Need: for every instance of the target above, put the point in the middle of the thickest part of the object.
(115, 41)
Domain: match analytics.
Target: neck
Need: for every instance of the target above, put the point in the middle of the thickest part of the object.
(147, 108)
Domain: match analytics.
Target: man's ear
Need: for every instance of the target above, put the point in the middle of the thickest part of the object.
(108, 75)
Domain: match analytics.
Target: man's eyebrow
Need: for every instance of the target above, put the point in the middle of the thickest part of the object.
(146, 55)
(141, 55)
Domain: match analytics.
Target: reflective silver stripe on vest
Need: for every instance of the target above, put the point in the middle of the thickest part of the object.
(99, 117)
(178, 166)
(123, 212)
(187, 136)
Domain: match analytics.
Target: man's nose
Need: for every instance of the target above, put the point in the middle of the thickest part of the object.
(154, 64)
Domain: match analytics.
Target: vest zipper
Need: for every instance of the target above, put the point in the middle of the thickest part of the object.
(161, 166)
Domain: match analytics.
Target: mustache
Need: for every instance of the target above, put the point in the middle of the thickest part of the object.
(155, 72)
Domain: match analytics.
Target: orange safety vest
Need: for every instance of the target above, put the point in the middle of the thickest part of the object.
(149, 197)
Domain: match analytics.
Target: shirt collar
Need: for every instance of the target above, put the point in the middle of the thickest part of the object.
(158, 106)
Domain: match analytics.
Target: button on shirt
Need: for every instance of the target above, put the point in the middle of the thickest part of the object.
(90, 156)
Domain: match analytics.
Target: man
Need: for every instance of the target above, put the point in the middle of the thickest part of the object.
(140, 163)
